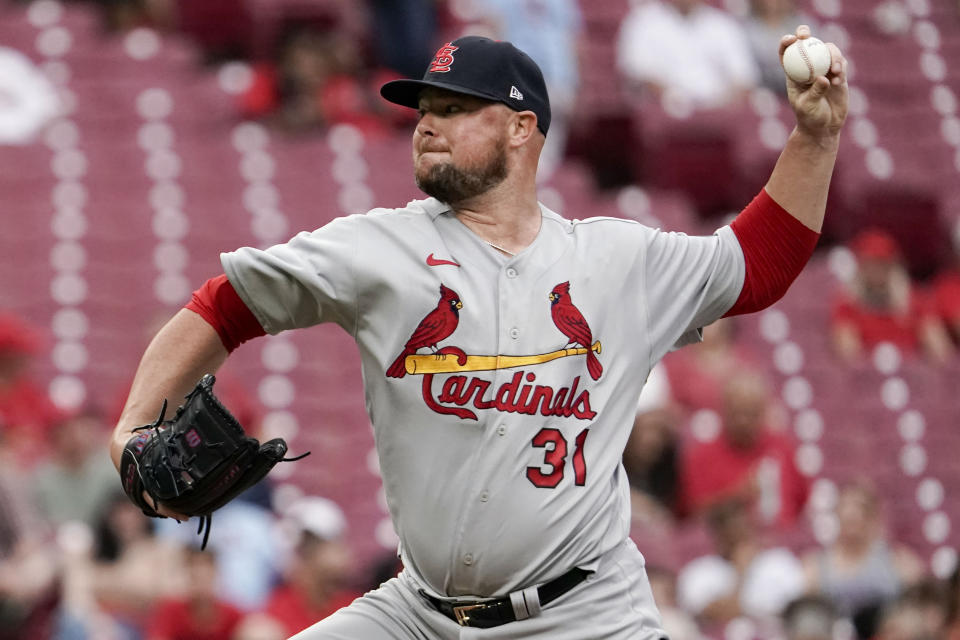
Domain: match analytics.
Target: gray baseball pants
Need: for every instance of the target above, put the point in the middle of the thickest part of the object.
(615, 603)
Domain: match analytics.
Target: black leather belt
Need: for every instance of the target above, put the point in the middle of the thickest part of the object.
(484, 614)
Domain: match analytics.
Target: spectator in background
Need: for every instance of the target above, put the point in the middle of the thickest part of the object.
(318, 80)
(920, 613)
(245, 547)
(26, 413)
(78, 479)
(131, 569)
(861, 572)
(932, 598)
(748, 460)
(697, 373)
(650, 457)
(882, 305)
(198, 613)
(686, 51)
(809, 617)
(550, 32)
(766, 24)
(319, 571)
(902, 621)
(744, 577)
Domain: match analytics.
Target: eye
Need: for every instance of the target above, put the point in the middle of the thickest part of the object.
(421, 112)
(452, 108)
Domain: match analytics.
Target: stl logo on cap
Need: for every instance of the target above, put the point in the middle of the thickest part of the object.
(443, 59)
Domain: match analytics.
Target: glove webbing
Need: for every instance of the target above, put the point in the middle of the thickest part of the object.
(206, 520)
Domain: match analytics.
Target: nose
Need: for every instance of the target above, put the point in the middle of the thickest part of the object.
(426, 126)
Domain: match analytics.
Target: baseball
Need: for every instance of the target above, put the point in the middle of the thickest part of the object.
(806, 59)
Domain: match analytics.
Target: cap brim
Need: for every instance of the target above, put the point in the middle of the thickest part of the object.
(407, 92)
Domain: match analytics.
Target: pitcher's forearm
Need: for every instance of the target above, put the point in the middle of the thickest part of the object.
(801, 179)
(179, 355)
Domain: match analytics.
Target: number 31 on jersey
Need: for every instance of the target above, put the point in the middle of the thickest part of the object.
(555, 459)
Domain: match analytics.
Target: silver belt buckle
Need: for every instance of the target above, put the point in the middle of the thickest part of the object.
(462, 613)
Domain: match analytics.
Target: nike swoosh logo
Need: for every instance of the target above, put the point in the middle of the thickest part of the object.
(436, 262)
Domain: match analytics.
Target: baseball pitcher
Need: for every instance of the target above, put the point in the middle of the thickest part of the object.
(503, 349)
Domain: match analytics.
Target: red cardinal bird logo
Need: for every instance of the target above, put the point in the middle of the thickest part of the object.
(435, 326)
(571, 324)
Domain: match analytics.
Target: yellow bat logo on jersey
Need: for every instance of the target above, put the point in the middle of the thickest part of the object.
(454, 360)
(510, 397)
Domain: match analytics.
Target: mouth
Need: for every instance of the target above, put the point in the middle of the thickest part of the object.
(428, 159)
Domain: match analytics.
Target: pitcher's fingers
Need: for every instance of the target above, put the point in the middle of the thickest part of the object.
(179, 517)
(838, 65)
(785, 42)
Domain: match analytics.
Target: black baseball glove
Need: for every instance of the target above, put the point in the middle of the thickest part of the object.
(197, 461)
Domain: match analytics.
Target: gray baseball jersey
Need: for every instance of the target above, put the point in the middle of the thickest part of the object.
(501, 389)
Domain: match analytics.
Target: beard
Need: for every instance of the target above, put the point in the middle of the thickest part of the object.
(451, 184)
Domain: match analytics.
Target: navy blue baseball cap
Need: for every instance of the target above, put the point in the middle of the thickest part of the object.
(483, 68)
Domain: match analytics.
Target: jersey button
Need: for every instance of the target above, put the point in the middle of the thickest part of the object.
(502, 430)
(511, 272)
(514, 333)
(468, 559)
(484, 496)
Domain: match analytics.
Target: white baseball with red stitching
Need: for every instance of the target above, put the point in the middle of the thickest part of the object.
(806, 59)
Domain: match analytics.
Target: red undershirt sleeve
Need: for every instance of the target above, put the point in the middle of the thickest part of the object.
(217, 302)
(775, 246)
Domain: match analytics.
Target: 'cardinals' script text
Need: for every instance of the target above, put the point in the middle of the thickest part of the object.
(511, 397)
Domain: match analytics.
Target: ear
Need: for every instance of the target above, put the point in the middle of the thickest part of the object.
(523, 125)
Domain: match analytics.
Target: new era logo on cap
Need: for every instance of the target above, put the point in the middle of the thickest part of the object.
(484, 68)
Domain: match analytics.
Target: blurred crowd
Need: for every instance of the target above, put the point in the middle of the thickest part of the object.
(716, 505)
(79, 561)
(882, 303)
(721, 512)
